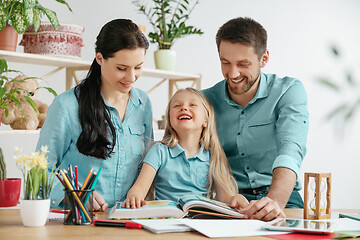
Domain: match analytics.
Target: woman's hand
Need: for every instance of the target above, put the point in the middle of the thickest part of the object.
(98, 202)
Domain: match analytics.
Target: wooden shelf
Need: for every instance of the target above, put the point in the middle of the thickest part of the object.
(72, 64)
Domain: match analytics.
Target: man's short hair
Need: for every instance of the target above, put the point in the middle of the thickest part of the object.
(245, 31)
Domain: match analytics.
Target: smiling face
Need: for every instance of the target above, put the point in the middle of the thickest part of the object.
(187, 112)
(121, 71)
(240, 66)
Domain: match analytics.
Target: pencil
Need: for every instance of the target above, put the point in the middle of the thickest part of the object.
(86, 180)
(62, 182)
(93, 185)
(75, 196)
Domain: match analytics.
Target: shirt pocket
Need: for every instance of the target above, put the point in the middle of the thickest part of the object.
(137, 138)
(262, 134)
(202, 176)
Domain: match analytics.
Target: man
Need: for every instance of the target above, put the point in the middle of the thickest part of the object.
(262, 121)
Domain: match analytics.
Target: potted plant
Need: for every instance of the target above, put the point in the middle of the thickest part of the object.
(15, 95)
(34, 208)
(9, 187)
(18, 15)
(168, 18)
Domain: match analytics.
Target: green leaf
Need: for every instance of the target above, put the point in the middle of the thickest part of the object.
(36, 19)
(51, 91)
(2, 92)
(29, 3)
(64, 2)
(329, 84)
(3, 66)
(17, 17)
(51, 15)
(336, 111)
(4, 18)
(32, 104)
(335, 51)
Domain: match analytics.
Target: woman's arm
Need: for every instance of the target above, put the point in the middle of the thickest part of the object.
(136, 194)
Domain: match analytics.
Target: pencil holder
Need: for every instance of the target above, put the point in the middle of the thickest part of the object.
(78, 207)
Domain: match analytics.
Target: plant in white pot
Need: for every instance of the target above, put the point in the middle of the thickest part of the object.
(9, 187)
(38, 182)
(168, 18)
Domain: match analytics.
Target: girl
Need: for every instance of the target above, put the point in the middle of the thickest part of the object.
(104, 122)
(189, 159)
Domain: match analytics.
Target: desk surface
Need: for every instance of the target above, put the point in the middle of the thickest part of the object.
(12, 228)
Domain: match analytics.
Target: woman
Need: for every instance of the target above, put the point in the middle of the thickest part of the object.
(104, 122)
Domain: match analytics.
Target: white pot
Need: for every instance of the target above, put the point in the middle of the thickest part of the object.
(165, 59)
(34, 213)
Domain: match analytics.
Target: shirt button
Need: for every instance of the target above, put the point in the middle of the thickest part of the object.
(121, 166)
(121, 148)
(252, 181)
(238, 133)
(53, 201)
(242, 154)
(120, 130)
(247, 168)
(118, 184)
(242, 112)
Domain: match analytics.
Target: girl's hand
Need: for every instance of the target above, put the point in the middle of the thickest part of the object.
(238, 201)
(133, 200)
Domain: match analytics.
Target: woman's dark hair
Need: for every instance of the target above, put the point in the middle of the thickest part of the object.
(245, 31)
(94, 115)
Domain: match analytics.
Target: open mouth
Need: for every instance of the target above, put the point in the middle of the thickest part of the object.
(237, 81)
(184, 117)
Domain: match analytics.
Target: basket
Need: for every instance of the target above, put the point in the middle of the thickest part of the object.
(66, 41)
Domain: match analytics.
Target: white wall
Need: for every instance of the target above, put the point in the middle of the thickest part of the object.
(300, 34)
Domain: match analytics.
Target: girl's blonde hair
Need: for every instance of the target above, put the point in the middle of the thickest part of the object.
(219, 169)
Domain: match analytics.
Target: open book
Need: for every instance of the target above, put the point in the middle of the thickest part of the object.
(192, 204)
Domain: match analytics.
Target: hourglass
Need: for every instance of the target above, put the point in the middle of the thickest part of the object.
(320, 182)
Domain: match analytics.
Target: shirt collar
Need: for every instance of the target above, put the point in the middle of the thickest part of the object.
(135, 98)
(202, 154)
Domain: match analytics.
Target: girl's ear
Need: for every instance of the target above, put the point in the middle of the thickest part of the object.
(99, 58)
(205, 124)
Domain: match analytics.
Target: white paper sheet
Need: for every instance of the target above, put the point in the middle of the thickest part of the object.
(228, 228)
(163, 225)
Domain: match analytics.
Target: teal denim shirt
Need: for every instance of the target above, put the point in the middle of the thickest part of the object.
(176, 175)
(62, 129)
(270, 132)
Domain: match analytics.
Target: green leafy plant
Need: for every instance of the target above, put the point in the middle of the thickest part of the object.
(168, 19)
(2, 166)
(16, 94)
(24, 13)
(34, 167)
(346, 109)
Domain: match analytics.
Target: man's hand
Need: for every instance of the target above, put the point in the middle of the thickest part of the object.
(99, 203)
(264, 209)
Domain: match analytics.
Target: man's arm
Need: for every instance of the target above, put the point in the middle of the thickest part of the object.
(282, 185)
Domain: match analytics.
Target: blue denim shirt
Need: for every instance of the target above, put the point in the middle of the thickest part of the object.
(62, 129)
(270, 132)
(176, 175)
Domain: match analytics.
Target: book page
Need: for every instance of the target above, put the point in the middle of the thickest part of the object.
(195, 202)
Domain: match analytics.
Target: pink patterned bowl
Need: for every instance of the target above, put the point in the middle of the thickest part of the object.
(66, 41)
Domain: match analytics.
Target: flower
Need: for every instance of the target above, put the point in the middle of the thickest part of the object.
(34, 167)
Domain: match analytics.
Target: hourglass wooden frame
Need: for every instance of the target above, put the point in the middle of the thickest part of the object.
(318, 178)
